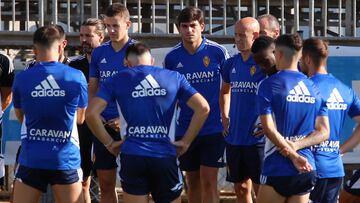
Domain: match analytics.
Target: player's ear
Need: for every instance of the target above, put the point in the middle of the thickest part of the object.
(202, 25)
(128, 24)
(152, 61)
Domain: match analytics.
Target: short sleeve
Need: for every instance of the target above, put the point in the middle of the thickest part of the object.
(16, 93)
(224, 56)
(354, 109)
(166, 62)
(106, 90)
(94, 69)
(83, 99)
(6, 71)
(263, 99)
(323, 111)
(186, 91)
(226, 70)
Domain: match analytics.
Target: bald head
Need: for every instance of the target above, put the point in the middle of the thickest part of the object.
(269, 26)
(246, 31)
(248, 23)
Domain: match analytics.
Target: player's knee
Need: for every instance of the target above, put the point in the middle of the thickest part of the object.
(243, 187)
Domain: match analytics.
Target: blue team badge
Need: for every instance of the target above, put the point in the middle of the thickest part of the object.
(252, 70)
(206, 61)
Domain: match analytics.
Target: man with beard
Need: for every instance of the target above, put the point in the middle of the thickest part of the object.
(91, 36)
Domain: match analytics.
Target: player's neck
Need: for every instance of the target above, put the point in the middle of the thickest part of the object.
(61, 58)
(245, 55)
(46, 57)
(318, 70)
(88, 57)
(192, 47)
(118, 45)
(289, 65)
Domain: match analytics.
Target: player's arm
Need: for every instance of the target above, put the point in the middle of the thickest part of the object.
(278, 140)
(201, 111)
(320, 134)
(6, 97)
(354, 139)
(94, 121)
(19, 114)
(93, 87)
(80, 115)
(224, 102)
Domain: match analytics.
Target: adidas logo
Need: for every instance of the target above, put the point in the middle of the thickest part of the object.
(180, 65)
(103, 60)
(300, 94)
(335, 101)
(48, 88)
(233, 70)
(147, 88)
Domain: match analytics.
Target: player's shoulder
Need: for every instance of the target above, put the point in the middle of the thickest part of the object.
(215, 45)
(174, 51)
(4, 56)
(102, 47)
(77, 58)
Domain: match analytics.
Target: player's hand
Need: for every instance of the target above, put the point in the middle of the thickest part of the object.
(114, 124)
(226, 124)
(181, 147)
(301, 163)
(115, 147)
(259, 131)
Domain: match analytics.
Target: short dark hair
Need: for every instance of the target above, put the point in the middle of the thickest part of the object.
(97, 23)
(137, 49)
(261, 43)
(117, 9)
(61, 31)
(291, 41)
(189, 14)
(317, 49)
(46, 36)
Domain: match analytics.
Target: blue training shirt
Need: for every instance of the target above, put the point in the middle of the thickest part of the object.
(340, 100)
(146, 97)
(295, 102)
(202, 70)
(49, 95)
(244, 77)
(105, 63)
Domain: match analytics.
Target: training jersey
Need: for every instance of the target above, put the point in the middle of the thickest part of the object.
(31, 63)
(105, 63)
(341, 101)
(6, 74)
(146, 97)
(294, 102)
(202, 70)
(243, 77)
(49, 94)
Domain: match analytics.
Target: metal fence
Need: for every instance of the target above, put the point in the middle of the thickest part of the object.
(150, 16)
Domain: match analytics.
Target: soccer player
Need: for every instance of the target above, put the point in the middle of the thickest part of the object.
(340, 100)
(147, 96)
(92, 33)
(6, 81)
(200, 61)
(291, 108)
(263, 50)
(50, 145)
(241, 75)
(107, 60)
(269, 26)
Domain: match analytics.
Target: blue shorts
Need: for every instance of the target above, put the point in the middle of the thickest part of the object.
(352, 186)
(40, 178)
(104, 160)
(207, 150)
(288, 186)
(141, 175)
(326, 190)
(244, 162)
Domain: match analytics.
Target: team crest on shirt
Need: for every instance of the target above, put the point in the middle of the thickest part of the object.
(252, 70)
(206, 61)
